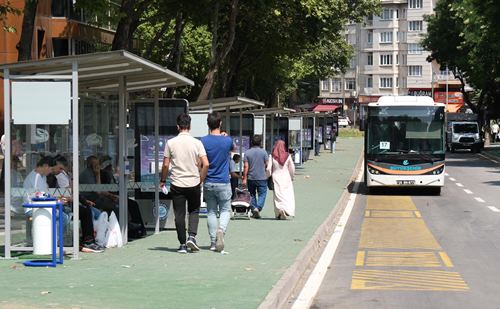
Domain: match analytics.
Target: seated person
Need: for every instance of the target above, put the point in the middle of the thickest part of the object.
(102, 200)
(136, 228)
(62, 180)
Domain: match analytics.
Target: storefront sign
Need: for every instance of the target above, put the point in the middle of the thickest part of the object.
(420, 92)
(331, 101)
(454, 97)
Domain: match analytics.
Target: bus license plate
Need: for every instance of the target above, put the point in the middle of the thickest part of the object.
(405, 182)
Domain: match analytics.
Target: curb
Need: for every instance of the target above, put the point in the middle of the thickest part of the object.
(292, 281)
(490, 156)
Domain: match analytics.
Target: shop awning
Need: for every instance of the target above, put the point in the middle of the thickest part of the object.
(326, 108)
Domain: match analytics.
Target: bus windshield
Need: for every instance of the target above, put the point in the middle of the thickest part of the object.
(465, 128)
(405, 129)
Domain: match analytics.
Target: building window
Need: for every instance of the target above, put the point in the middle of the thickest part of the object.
(415, 70)
(401, 36)
(385, 59)
(387, 14)
(415, 49)
(350, 84)
(337, 85)
(403, 14)
(403, 59)
(415, 4)
(369, 37)
(415, 25)
(325, 85)
(369, 82)
(397, 58)
(386, 37)
(386, 82)
(369, 61)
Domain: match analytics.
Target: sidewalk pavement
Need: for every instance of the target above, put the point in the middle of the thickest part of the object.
(149, 273)
(492, 151)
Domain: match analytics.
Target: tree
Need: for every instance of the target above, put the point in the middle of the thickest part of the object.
(5, 10)
(472, 50)
(28, 27)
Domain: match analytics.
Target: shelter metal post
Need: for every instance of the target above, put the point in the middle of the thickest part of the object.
(264, 133)
(301, 141)
(156, 108)
(315, 141)
(122, 178)
(228, 120)
(76, 157)
(241, 138)
(272, 133)
(7, 159)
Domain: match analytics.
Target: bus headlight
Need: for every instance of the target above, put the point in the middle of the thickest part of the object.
(373, 171)
(436, 171)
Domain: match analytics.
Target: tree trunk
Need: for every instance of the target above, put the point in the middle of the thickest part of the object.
(149, 50)
(26, 40)
(218, 56)
(127, 25)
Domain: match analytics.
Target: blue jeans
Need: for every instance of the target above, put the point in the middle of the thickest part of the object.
(218, 199)
(257, 187)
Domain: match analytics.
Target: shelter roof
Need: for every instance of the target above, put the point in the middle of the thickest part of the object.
(222, 104)
(273, 110)
(100, 71)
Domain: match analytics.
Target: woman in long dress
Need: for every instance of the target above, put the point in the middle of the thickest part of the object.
(282, 169)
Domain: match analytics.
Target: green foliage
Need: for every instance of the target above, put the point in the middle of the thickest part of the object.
(347, 132)
(5, 10)
(465, 34)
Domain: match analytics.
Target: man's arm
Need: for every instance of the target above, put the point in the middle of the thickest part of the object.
(245, 172)
(203, 168)
(164, 171)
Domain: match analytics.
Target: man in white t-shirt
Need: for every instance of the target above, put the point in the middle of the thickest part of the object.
(189, 165)
(494, 132)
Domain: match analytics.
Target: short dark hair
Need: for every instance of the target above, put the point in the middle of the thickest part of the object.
(236, 157)
(256, 140)
(90, 159)
(214, 120)
(60, 159)
(45, 160)
(184, 121)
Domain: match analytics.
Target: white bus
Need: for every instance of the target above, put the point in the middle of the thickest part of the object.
(405, 143)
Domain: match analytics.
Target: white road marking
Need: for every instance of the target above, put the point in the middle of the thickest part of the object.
(480, 200)
(493, 208)
(467, 191)
(446, 174)
(452, 179)
(459, 184)
(310, 289)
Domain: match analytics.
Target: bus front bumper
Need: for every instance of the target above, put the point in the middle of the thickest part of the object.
(404, 180)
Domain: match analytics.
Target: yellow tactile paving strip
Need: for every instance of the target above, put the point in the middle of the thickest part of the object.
(407, 280)
(398, 252)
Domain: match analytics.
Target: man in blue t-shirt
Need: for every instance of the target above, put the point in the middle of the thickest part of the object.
(217, 186)
(255, 175)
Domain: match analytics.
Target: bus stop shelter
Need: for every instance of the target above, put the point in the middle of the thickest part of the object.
(228, 106)
(45, 95)
(272, 114)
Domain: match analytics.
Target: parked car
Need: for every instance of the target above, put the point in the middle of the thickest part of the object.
(343, 122)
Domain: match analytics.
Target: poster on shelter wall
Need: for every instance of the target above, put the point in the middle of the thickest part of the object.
(41, 102)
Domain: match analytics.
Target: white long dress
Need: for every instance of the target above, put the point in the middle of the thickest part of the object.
(284, 196)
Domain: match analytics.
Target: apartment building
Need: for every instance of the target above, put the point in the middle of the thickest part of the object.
(389, 59)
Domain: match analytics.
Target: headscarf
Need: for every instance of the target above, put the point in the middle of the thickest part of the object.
(280, 153)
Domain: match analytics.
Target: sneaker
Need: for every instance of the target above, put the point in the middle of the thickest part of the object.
(191, 243)
(91, 247)
(219, 240)
(212, 246)
(182, 249)
(256, 213)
